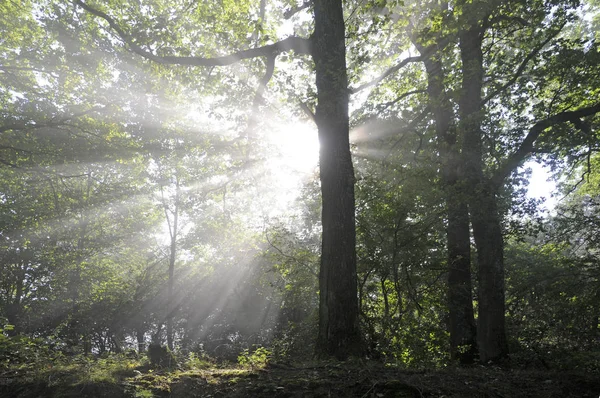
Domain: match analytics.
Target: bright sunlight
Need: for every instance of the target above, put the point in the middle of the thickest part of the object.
(295, 158)
(298, 147)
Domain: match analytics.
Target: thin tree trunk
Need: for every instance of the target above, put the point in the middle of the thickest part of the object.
(141, 340)
(80, 333)
(14, 308)
(491, 333)
(338, 302)
(172, 258)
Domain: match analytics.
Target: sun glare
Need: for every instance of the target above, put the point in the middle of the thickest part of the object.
(294, 160)
(540, 185)
(297, 146)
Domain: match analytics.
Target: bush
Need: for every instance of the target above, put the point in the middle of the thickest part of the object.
(161, 356)
(257, 359)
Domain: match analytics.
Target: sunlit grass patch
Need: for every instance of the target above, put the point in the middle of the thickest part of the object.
(227, 375)
(143, 393)
(194, 361)
(159, 382)
(81, 370)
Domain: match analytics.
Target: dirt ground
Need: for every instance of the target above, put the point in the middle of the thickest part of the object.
(334, 379)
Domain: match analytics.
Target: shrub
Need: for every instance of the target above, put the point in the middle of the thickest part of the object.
(161, 356)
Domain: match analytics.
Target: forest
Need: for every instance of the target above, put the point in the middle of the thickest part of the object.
(299, 198)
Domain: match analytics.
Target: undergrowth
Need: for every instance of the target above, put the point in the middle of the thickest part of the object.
(28, 369)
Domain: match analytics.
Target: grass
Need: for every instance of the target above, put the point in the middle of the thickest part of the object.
(126, 377)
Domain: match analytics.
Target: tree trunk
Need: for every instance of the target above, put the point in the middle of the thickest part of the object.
(491, 333)
(172, 257)
(490, 257)
(338, 302)
(14, 307)
(141, 340)
(463, 346)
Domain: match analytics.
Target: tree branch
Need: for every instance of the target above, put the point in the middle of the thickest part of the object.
(386, 105)
(298, 44)
(526, 147)
(53, 123)
(262, 85)
(498, 18)
(385, 74)
(426, 52)
(294, 10)
(522, 67)
(23, 68)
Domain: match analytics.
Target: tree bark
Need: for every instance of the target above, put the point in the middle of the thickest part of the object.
(491, 332)
(487, 232)
(338, 333)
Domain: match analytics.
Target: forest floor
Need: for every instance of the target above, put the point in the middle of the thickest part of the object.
(125, 379)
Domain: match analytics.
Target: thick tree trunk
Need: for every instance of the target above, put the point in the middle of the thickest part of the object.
(118, 340)
(490, 257)
(463, 346)
(338, 302)
(491, 333)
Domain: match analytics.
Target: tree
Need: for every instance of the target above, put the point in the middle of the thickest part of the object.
(338, 306)
(463, 345)
(338, 326)
(483, 190)
(476, 76)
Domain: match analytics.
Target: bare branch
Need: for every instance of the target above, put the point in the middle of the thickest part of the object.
(386, 105)
(387, 73)
(426, 52)
(308, 112)
(586, 173)
(294, 10)
(270, 69)
(298, 44)
(258, 97)
(526, 147)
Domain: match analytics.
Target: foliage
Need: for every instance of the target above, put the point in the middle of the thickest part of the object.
(258, 358)
(552, 299)
(101, 149)
(23, 352)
